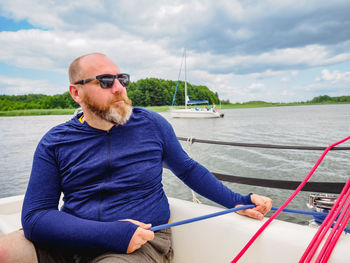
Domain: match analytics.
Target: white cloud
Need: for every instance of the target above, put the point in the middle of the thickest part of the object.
(161, 29)
(335, 75)
(18, 86)
(268, 64)
(290, 77)
(37, 12)
(35, 49)
(266, 74)
(256, 87)
(54, 50)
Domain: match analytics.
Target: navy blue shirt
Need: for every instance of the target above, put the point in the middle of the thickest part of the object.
(106, 177)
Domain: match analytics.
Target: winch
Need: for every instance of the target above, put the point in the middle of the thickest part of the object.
(320, 202)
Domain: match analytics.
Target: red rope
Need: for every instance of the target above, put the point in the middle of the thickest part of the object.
(302, 184)
(334, 241)
(327, 223)
(336, 231)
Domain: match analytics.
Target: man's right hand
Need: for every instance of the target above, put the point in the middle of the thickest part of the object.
(140, 237)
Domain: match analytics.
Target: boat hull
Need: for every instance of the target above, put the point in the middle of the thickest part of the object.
(220, 239)
(195, 114)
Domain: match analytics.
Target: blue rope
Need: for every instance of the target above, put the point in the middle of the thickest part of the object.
(319, 216)
(311, 213)
(186, 221)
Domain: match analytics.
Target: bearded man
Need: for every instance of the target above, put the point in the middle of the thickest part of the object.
(107, 162)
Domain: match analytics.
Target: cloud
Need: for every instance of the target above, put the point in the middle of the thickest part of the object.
(256, 87)
(330, 82)
(220, 27)
(18, 86)
(48, 50)
(266, 74)
(269, 63)
(224, 37)
(291, 75)
(335, 75)
(33, 49)
(35, 12)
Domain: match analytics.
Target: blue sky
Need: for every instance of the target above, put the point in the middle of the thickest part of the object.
(279, 51)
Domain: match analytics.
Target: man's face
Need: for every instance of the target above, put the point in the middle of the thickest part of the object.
(112, 104)
(117, 110)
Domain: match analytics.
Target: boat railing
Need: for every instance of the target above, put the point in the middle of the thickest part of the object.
(320, 187)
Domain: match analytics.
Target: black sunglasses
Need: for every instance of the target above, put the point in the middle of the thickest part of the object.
(107, 80)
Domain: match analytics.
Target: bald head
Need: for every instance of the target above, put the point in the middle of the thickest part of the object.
(77, 70)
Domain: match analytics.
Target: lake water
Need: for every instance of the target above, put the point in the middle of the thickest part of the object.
(298, 125)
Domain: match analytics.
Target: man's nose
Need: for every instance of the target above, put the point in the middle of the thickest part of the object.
(117, 87)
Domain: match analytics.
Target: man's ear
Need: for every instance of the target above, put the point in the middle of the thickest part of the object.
(75, 93)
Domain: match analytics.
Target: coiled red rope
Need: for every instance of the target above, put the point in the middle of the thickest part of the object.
(263, 227)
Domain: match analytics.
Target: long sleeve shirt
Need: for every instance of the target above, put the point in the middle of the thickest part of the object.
(107, 176)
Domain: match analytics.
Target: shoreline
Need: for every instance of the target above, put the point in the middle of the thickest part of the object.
(37, 112)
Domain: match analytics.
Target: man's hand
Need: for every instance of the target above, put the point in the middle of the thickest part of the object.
(263, 206)
(140, 237)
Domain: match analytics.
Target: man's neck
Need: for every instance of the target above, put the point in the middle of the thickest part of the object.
(96, 122)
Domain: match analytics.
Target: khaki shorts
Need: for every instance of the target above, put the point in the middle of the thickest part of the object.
(157, 250)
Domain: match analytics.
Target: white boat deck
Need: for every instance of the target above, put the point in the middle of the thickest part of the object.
(10, 214)
(217, 239)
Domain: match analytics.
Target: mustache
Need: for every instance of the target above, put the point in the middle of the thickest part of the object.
(118, 97)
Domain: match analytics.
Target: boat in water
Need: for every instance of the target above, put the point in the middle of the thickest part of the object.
(196, 112)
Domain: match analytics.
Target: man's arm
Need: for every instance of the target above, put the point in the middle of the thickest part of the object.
(203, 182)
(43, 222)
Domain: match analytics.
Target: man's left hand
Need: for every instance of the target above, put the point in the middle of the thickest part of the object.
(263, 206)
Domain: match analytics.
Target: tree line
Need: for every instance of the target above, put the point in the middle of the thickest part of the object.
(37, 101)
(159, 92)
(144, 92)
(328, 99)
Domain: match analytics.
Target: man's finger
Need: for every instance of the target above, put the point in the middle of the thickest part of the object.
(251, 213)
(140, 237)
(138, 223)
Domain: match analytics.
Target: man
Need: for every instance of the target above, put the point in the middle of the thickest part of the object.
(107, 161)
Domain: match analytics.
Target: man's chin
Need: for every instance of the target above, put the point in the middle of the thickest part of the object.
(119, 114)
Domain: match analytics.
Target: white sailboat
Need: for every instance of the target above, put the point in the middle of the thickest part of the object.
(196, 112)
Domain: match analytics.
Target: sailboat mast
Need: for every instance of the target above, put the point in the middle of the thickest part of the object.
(185, 83)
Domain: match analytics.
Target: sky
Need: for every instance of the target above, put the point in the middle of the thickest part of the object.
(270, 50)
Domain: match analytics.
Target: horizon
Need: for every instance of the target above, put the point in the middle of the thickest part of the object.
(221, 100)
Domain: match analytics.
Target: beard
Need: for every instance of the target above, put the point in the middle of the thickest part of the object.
(116, 113)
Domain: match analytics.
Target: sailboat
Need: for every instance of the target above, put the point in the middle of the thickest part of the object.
(196, 112)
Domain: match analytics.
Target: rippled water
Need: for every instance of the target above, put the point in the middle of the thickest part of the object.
(301, 125)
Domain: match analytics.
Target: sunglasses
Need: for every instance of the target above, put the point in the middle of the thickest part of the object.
(107, 80)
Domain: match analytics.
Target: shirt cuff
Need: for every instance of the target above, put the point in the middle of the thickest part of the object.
(246, 199)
